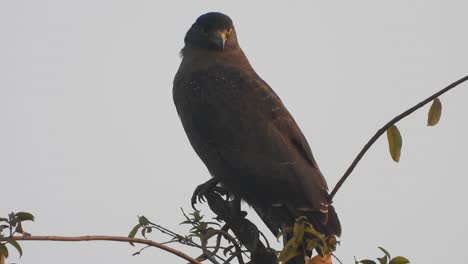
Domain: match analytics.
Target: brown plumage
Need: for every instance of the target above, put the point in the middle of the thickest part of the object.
(243, 133)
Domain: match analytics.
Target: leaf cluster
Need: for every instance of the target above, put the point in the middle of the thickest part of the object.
(304, 237)
(201, 232)
(199, 228)
(385, 259)
(12, 225)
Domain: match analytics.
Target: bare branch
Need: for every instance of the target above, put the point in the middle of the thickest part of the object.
(381, 131)
(109, 238)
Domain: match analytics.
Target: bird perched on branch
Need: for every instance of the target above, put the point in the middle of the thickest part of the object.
(244, 134)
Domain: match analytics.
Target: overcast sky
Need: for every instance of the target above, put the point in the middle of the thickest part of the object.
(89, 135)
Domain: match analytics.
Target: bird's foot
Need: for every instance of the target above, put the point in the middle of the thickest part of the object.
(204, 188)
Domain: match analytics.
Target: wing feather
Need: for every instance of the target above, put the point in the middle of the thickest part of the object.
(245, 135)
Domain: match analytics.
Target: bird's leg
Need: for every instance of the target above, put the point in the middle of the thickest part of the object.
(204, 188)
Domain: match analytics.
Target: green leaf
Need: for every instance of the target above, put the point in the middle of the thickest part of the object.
(3, 250)
(284, 231)
(24, 216)
(197, 217)
(367, 261)
(385, 252)
(133, 233)
(383, 260)
(4, 219)
(433, 117)
(399, 260)
(15, 245)
(394, 142)
(143, 220)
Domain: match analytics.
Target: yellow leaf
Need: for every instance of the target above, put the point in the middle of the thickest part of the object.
(394, 142)
(298, 231)
(284, 231)
(435, 112)
(289, 251)
(313, 232)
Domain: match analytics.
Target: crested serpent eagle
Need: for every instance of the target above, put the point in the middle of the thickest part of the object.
(244, 134)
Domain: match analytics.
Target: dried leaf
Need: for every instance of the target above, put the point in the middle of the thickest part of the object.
(394, 142)
(435, 112)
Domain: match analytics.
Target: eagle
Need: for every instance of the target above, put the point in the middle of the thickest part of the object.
(243, 133)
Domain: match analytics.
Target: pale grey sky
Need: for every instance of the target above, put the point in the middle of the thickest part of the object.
(89, 136)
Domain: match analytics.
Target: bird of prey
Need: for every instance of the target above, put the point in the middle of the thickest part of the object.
(243, 133)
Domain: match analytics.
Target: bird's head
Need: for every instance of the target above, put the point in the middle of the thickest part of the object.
(212, 31)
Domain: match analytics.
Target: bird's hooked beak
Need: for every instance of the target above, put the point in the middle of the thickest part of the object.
(219, 38)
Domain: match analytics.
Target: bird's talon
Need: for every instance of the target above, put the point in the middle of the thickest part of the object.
(202, 190)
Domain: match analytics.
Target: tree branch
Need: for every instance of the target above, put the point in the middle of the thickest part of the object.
(109, 238)
(381, 131)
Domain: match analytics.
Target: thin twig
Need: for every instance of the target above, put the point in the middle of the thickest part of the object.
(208, 254)
(174, 235)
(109, 238)
(139, 251)
(336, 258)
(229, 259)
(231, 239)
(381, 131)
